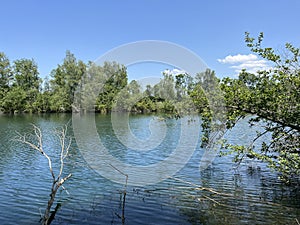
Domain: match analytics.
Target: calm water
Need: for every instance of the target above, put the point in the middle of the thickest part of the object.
(249, 194)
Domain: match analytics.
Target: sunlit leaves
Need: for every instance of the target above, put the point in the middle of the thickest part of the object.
(66, 78)
(273, 97)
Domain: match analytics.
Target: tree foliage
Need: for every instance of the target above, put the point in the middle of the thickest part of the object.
(113, 79)
(5, 74)
(66, 78)
(19, 85)
(271, 96)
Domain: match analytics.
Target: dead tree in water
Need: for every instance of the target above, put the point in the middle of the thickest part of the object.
(57, 180)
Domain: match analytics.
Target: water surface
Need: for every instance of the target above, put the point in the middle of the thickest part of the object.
(249, 194)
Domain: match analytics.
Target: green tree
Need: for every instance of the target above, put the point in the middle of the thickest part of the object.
(66, 78)
(14, 100)
(114, 79)
(26, 74)
(272, 97)
(42, 103)
(183, 84)
(149, 90)
(128, 97)
(167, 87)
(5, 75)
(198, 97)
(209, 101)
(26, 82)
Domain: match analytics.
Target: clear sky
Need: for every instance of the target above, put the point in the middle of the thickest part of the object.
(214, 30)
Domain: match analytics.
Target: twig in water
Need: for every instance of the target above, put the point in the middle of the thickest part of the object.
(197, 187)
(124, 192)
(126, 175)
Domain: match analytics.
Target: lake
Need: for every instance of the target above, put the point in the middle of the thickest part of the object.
(220, 194)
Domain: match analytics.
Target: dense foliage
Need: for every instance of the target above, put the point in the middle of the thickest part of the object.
(272, 97)
(22, 90)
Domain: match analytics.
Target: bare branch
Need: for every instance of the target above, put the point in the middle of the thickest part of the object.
(63, 180)
(64, 150)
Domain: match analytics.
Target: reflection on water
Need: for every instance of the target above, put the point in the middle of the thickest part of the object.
(249, 194)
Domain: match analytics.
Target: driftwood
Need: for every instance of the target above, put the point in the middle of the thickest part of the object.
(57, 180)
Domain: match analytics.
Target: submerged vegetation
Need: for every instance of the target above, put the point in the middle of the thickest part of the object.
(271, 96)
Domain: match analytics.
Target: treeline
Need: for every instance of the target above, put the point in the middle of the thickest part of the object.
(271, 96)
(22, 90)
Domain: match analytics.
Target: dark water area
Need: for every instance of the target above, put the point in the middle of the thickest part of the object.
(220, 194)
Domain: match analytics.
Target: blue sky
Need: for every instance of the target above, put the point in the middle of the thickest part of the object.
(214, 30)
